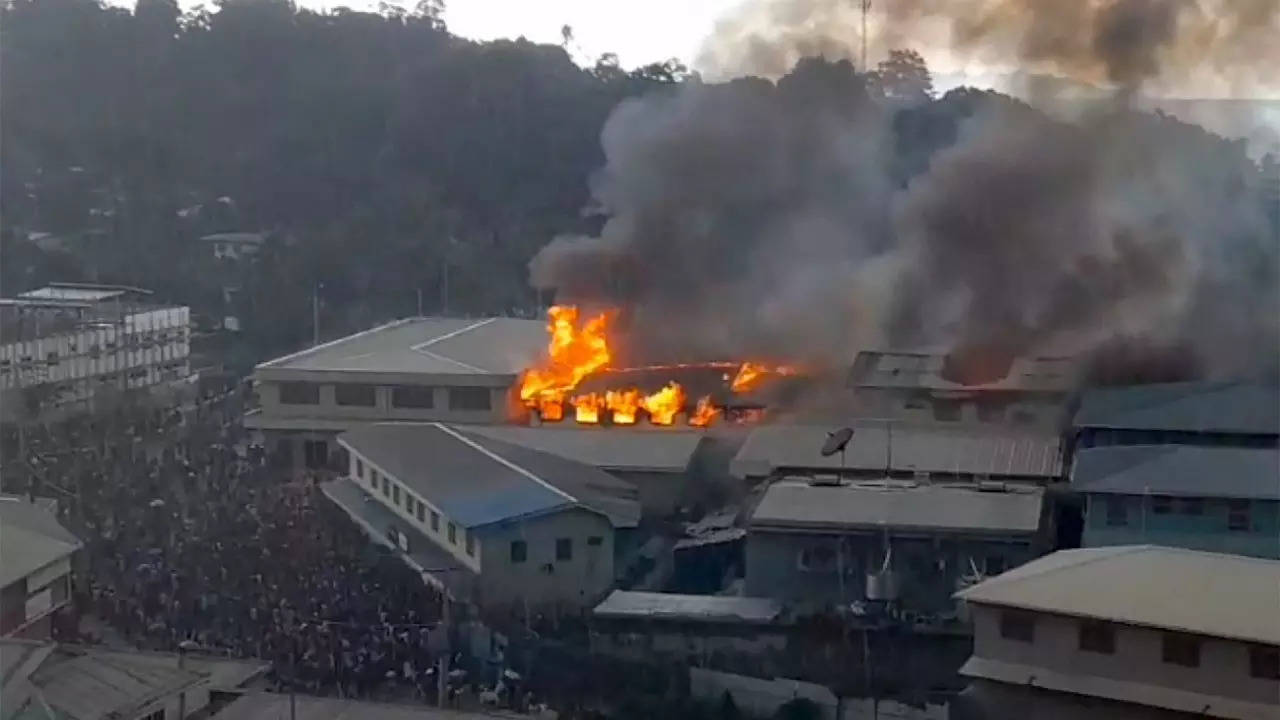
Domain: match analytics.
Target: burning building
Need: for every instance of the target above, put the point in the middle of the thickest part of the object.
(580, 381)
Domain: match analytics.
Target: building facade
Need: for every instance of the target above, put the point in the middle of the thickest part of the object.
(903, 546)
(1218, 499)
(503, 526)
(415, 370)
(1094, 633)
(82, 347)
(35, 567)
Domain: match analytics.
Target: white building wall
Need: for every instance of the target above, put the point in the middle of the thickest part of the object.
(1223, 670)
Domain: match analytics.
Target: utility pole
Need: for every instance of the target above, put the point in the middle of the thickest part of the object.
(315, 313)
(867, 7)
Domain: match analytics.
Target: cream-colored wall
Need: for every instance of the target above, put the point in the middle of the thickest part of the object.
(457, 549)
(328, 408)
(579, 582)
(1223, 670)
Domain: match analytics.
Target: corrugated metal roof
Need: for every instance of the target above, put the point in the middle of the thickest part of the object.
(477, 480)
(932, 449)
(704, 608)
(656, 450)
(73, 294)
(899, 506)
(1225, 407)
(1078, 683)
(274, 706)
(923, 370)
(446, 346)
(97, 683)
(33, 538)
(1228, 596)
(248, 238)
(1185, 470)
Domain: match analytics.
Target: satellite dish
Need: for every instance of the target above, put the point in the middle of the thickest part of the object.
(837, 441)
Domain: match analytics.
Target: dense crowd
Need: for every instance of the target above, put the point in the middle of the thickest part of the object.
(193, 536)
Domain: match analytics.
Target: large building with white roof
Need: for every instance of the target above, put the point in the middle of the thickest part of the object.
(1126, 632)
(76, 347)
(419, 369)
(499, 524)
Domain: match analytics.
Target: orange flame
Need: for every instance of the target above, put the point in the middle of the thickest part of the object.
(704, 413)
(587, 408)
(573, 353)
(624, 404)
(750, 374)
(663, 405)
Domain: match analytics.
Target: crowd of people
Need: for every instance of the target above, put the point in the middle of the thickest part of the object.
(193, 536)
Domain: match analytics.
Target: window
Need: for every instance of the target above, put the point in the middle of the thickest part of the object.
(1117, 513)
(1238, 515)
(395, 494)
(453, 534)
(1264, 662)
(519, 551)
(1179, 649)
(818, 559)
(386, 486)
(1098, 637)
(595, 541)
(1017, 626)
(1161, 504)
(353, 394)
(469, 398)
(373, 478)
(413, 396)
(154, 715)
(564, 549)
(359, 468)
(435, 521)
(299, 393)
(422, 512)
(1191, 506)
(470, 541)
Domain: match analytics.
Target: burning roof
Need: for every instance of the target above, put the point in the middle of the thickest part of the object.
(578, 375)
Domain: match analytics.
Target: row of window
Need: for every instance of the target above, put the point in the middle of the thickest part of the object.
(414, 506)
(1175, 648)
(415, 397)
(564, 549)
(1238, 511)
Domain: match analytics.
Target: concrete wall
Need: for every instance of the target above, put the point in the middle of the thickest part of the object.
(928, 567)
(1223, 670)
(1207, 531)
(328, 408)
(541, 579)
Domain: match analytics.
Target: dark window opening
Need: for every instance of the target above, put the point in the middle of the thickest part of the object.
(1238, 515)
(1192, 506)
(299, 393)
(435, 521)
(1117, 512)
(350, 394)
(1178, 649)
(453, 534)
(947, 410)
(469, 398)
(564, 549)
(413, 396)
(595, 541)
(395, 494)
(519, 551)
(995, 564)
(471, 542)
(1264, 662)
(1017, 626)
(359, 469)
(1098, 637)
(1161, 504)
(422, 512)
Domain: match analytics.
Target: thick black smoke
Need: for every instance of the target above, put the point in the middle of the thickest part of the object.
(803, 219)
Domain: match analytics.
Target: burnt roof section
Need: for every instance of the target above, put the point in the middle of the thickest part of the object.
(929, 370)
(477, 480)
(1250, 408)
